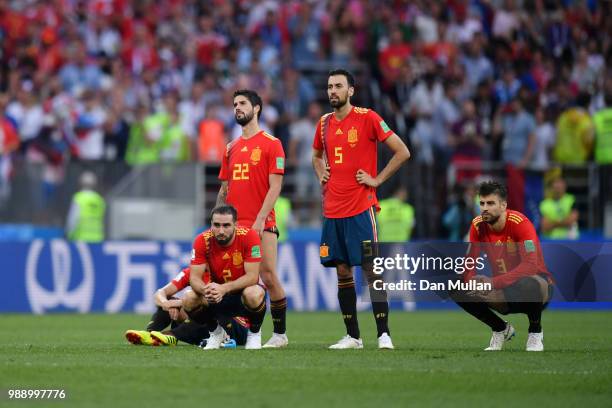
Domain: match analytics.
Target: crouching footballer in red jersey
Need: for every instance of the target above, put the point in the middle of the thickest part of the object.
(520, 283)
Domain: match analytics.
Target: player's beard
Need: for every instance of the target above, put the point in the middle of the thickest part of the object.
(226, 240)
(491, 219)
(338, 103)
(246, 118)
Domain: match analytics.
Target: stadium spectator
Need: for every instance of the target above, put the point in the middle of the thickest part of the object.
(544, 141)
(396, 218)
(9, 142)
(27, 114)
(300, 149)
(603, 130)
(575, 133)
(305, 31)
(559, 213)
(211, 137)
(516, 126)
(468, 141)
(85, 221)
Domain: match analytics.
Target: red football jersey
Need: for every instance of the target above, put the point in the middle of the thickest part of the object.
(181, 281)
(516, 250)
(350, 144)
(226, 263)
(246, 166)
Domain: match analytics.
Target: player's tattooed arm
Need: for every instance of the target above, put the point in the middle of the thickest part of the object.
(222, 195)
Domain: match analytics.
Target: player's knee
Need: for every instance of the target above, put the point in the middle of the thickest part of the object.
(268, 277)
(191, 301)
(527, 289)
(252, 296)
(344, 271)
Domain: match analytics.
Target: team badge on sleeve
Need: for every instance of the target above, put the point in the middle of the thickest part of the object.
(192, 254)
(529, 246)
(384, 126)
(256, 252)
(323, 251)
(280, 163)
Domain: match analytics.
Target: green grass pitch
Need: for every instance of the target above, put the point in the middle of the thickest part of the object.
(438, 362)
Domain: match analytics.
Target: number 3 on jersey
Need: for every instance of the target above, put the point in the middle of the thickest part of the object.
(338, 155)
(241, 171)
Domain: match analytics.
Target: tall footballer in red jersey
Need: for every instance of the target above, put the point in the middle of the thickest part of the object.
(521, 283)
(344, 159)
(231, 255)
(251, 178)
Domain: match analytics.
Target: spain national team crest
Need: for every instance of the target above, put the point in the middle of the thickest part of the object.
(237, 258)
(511, 245)
(323, 251)
(353, 137)
(256, 155)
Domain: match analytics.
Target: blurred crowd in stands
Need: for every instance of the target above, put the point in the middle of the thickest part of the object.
(143, 81)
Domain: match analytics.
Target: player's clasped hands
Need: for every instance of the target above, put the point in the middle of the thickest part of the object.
(364, 178)
(213, 292)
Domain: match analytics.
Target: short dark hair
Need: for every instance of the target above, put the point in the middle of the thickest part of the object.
(493, 187)
(252, 96)
(350, 79)
(223, 210)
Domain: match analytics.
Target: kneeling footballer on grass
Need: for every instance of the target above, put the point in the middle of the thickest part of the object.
(171, 313)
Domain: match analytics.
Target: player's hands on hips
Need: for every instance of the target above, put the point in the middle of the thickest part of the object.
(259, 224)
(324, 176)
(364, 178)
(213, 292)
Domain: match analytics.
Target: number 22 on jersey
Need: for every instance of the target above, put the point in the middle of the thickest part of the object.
(241, 171)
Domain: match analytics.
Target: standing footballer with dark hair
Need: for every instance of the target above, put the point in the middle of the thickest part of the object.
(520, 283)
(344, 159)
(252, 174)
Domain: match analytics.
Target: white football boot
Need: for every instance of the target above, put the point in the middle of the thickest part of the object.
(216, 339)
(498, 338)
(534, 342)
(384, 342)
(347, 342)
(277, 341)
(253, 341)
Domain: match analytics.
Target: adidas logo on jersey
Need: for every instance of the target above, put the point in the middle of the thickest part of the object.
(244, 149)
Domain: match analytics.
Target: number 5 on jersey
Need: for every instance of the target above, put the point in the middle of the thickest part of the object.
(338, 155)
(241, 171)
